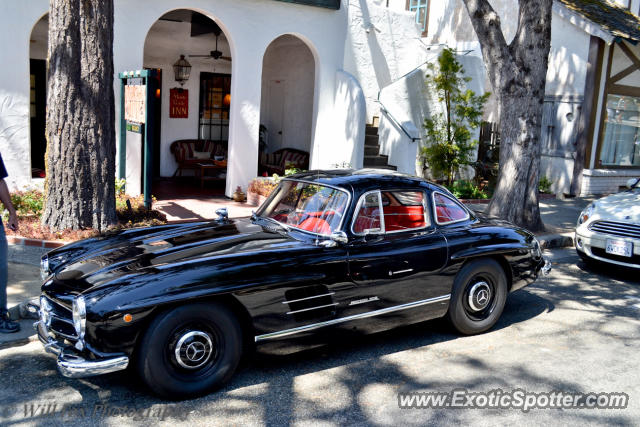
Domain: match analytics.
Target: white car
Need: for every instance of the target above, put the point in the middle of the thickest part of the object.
(608, 229)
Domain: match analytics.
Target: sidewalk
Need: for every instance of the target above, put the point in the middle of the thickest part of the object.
(559, 216)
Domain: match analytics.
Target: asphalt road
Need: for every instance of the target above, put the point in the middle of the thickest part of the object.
(575, 331)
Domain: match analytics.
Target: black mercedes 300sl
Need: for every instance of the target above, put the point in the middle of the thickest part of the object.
(328, 255)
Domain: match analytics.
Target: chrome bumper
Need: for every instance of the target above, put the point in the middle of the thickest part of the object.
(71, 364)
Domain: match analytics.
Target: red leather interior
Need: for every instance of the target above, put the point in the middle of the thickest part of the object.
(449, 213)
(398, 218)
(316, 225)
(368, 218)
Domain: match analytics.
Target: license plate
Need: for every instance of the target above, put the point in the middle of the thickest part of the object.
(619, 247)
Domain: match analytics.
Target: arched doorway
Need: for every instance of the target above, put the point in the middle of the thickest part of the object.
(191, 117)
(287, 104)
(38, 45)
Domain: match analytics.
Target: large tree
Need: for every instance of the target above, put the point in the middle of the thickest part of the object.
(80, 116)
(517, 72)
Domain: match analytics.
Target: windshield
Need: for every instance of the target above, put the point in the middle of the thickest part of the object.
(305, 206)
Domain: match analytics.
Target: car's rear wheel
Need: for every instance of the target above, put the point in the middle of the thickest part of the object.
(190, 350)
(478, 297)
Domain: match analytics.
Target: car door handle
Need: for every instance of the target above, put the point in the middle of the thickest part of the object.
(393, 273)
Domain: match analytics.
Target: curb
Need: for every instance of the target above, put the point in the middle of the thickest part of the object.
(24, 241)
(558, 240)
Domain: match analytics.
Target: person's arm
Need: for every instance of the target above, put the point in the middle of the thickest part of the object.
(6, 201)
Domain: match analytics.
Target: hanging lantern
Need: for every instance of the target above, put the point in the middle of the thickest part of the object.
(227, 100)
(182, 70)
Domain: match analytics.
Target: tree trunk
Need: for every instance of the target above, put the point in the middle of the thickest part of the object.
(517, 72)
(80, 116)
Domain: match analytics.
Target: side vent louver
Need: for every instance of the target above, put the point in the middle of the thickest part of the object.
(310, 302)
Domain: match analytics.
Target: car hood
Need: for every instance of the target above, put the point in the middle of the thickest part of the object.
(622, 207)
(93, 262)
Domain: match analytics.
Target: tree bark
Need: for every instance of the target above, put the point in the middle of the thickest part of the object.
(517, 72)
(80, 116)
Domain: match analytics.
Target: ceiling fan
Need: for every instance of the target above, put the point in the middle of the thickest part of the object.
(215, 54)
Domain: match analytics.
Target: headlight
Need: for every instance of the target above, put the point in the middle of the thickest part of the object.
(44, 267)
(79, 316)
(536, 251)
(586, 213)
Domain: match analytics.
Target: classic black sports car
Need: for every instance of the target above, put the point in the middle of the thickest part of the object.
(329, 254)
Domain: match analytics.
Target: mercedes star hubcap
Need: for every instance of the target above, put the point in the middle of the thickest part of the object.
(193, 349)
(479, 296)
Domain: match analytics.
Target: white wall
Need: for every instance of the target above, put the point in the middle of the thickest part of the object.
(288, 61)
(349, 122)
(382, 45)
(17, 20)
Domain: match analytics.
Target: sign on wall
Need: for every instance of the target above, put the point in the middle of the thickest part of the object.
(178, 103)
(134, 103)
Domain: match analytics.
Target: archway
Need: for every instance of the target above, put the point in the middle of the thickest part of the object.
(194, 112)
(287, 103)
(38, 45)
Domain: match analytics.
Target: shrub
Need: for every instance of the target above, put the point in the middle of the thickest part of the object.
(448, 139)
(30, 202)
(544, 185)
(262, 186)
(467, 190)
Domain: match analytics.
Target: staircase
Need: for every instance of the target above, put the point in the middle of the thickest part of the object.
(372, 157)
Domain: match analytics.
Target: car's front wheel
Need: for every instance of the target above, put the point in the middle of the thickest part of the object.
(478, 297)
(190, 350)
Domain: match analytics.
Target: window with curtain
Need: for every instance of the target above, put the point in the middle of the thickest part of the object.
(621, 137)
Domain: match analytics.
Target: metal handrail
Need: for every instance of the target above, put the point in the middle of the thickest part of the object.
(395, 121)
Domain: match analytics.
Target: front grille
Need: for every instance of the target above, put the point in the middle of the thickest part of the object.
(616, 229)
(57, 318)
(634, 259)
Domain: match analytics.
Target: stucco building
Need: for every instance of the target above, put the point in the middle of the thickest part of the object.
(309, 74)
(308, 71)
(592, 103)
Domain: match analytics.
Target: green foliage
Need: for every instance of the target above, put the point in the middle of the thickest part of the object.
(448, 140)
(120, 185)
(467, 190)
(544, 185)
(30, 202)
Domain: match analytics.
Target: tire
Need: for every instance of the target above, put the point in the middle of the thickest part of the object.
(190, 350)
(485, 280)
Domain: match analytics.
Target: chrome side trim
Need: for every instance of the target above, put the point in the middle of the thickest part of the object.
(313, 308)
(307, 298)
(313, 326)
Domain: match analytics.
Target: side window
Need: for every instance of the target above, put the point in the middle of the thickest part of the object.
(368, 217)
(404, 210)
(447, 210)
